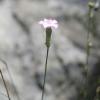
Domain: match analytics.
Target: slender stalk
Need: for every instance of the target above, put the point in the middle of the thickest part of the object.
(84, 90)
(45, 73)
(7, 91)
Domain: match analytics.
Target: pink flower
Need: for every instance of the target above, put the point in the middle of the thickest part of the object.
(49, 23)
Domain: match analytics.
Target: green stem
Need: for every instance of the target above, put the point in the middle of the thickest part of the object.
(45, 73)
(5, 85)
(88, 45)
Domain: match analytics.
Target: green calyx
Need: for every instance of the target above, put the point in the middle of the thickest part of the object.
(48, 36)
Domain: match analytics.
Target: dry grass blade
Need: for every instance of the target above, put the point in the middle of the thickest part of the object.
(5, 85)
(17, 93)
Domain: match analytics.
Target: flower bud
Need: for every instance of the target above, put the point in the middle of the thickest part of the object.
(91, 4)
(90, 44)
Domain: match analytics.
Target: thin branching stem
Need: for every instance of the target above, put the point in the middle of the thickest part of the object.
(45, 73)
(87, 45)
(5, 85)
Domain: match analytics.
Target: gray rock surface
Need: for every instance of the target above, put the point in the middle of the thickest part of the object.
(22, 47)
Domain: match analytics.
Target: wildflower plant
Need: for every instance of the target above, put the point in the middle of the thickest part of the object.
(93, 6)
(48, 25)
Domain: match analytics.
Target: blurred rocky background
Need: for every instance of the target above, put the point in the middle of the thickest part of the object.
(22, 47)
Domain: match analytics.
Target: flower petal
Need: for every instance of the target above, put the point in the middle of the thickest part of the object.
(49, 23)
